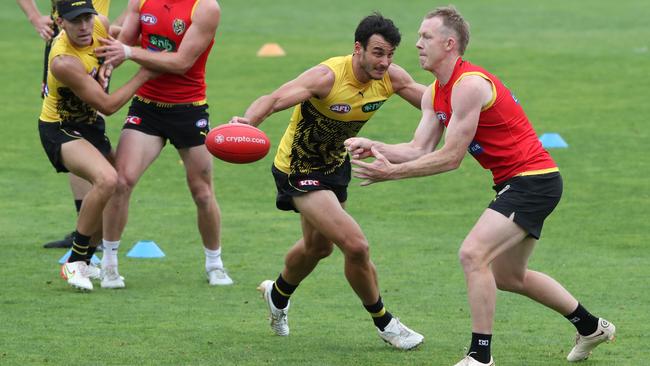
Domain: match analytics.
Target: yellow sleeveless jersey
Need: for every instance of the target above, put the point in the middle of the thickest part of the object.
(314, 138)
(60, 103)
(102, 7)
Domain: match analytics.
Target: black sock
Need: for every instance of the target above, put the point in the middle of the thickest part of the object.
(77, 204)
(380, 316)
(89, 253)
(80, 245)
(281, 292)
(584, 322)
(480, 347)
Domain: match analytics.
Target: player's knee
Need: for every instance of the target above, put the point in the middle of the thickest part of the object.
(508, 280)
(321, 252)
(357, 250)
(509, 283)
(125, 184)
(106, 181)
(202, 196)
(469, 258)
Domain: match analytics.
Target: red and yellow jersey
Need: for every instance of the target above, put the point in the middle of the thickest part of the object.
(60, 104)
(314, 138)
(163, 24)
(505, 141)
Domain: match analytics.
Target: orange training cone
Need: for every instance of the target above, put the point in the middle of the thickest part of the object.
(270, 50)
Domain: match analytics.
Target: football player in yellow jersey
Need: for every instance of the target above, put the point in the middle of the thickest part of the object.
(312, 170)
(47, 29)
(70, 128)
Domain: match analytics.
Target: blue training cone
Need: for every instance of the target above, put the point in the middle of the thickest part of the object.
(145, 249)
(552, 140)
(93, 260)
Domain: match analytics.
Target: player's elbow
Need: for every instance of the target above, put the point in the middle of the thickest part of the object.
(180, 66)
(108, 109)
(454, 161)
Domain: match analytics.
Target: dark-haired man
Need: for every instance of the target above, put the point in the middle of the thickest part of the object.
(333, 101)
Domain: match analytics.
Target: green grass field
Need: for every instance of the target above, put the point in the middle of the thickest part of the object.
(580, 68)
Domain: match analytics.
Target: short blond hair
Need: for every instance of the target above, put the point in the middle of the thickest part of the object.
(454, 21)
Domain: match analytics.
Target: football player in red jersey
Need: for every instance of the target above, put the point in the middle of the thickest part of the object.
(175, 40)
(482, 116)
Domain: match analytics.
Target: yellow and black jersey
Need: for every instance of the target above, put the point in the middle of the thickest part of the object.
(60, 103)
(314, 138)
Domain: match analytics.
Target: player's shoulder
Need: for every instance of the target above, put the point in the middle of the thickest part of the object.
(320, 71)
(64, 64)
(104, 22)
(473, 81)
(399, 76)
(210, 6)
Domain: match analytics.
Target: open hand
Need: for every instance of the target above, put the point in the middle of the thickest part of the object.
(378, 170)
(43, 26)
(113, 51)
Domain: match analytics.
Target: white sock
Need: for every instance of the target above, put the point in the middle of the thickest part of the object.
(212, 259)
(110, 253)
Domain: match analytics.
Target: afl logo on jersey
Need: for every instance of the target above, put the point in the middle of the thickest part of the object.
(148, 19)
(178, 26)
(201, 123)
(340, 108)
(442, 117)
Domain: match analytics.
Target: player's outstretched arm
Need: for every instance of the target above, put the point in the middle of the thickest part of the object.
(426, 137)
(469, 95)
(205, 21)
(315, 82)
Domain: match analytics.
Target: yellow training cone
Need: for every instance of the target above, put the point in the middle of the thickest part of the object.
(271, 50)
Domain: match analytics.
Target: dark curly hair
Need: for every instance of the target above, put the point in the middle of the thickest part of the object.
(375, 23)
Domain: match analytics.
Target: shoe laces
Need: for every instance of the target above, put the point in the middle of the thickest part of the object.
(111, 272)
(82, 268)
(279, 315)
(401, 329)
(220, 273)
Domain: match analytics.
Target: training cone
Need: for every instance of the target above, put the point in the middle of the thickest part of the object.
(93, 260)
(552, 140)
(271, 50)
(145, 249)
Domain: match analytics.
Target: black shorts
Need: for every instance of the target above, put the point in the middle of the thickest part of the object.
(529, 199)
(295, 185)
(184, 125)
(55, 134)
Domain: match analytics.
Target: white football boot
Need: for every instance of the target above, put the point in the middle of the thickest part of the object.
(93, 272)
(111, 278)
(218, 277)
(605, 332)
(278, 317)
(76, 275)
(470, 361)
(400, 336)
